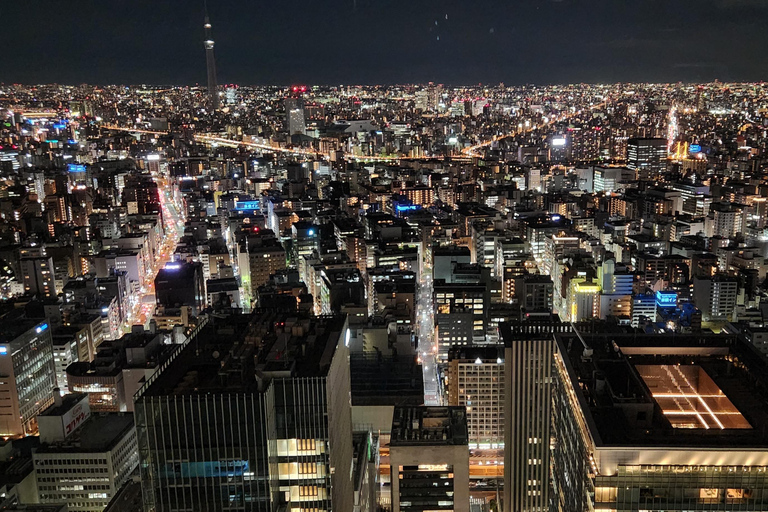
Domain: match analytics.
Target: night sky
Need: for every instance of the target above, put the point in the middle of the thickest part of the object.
(385, 41)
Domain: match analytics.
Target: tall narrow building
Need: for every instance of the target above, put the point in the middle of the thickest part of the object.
(210, 61)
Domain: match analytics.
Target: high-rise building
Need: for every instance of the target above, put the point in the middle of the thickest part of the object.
(181, 284)
(715, 296)
(83, 460)
(583, 300)
(429, 459)
(647, 157)
(476, 381)
(649, 422)
(259, 406)
(38, 274)
(28, 373)
(461, 315)
(616, 285)
(528, 352)
(643, 306)
(534, 292)
(210, 62)
(294, 112)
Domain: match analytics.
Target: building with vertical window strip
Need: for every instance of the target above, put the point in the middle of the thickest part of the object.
(528, 349)
(429, 459)
(27, 373)
(476, 381)
(610, 420)
(252, 413)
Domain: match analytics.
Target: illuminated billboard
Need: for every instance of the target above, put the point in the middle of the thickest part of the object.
(694, 148)
(247, 205)
(666, 299)
(559, 141)
(403, 208)
(76, 167)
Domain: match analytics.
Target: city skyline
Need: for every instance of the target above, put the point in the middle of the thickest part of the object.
(375, 298)
(565, 41)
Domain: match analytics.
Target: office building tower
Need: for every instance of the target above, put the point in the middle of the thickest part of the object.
(616, 286)
(38, 274)
(444, 259)
(265, 257)
(181, 284)
(83, 459)
(429, 459)
(534, 293)
(727, 220)
(117, 370)
(657, 423)
(65, 352)
(305, 239)
(461, 315)
(611, 179)
(294, 113)
(647, 157)
(715, 296)
(259, 406)
(210, 62)
(555, 247)
(476, 381)
(583, 300)
(643, 307)
(28, 373)
(528, 350)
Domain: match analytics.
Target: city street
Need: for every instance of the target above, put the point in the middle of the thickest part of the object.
(427, 341)
(144, 307)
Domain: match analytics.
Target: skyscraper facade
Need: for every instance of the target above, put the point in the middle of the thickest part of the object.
(253, 413)
(28, 373)
(647, 157)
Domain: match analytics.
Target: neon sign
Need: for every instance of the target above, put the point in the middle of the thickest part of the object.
(247, 205)
(666, 299)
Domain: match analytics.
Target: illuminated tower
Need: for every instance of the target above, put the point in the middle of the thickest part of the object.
(210, 61)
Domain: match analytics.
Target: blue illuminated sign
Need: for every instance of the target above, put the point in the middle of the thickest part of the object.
(3, 351)
(666, 299)
(694, 148)
(247, 205)
(210, 469)
(41, 328)
(407, 207)
(59, 126)
(76, 167)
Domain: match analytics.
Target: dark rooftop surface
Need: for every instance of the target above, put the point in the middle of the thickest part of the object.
(670, 390)
(14, 324)
(127, 499)
(385, 380)
(67, 402)
(99, 433)
(418, 426)
(230, 355)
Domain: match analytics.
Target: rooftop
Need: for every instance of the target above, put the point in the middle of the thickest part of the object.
(669, 390)
(67, 402)
(99, 434)
(237, 353)
(423, 425)
(14, 324)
